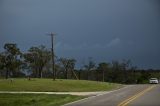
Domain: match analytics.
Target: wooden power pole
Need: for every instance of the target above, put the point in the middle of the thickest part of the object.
(53, 55)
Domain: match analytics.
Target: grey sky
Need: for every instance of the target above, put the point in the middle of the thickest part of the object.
(103, 29)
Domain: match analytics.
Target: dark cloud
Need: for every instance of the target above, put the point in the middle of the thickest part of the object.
(105, 30)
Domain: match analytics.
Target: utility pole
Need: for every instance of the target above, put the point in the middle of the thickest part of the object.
(53, 54)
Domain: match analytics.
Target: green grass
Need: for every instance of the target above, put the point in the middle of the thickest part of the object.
(36, 99)
(55, 86)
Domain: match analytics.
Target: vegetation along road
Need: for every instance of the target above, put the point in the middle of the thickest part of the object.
(132, 95)
(34, 92)
(60, 85)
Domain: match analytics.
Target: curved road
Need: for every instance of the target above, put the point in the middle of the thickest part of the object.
(132, 95)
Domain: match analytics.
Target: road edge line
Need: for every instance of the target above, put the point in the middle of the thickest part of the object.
(90, 97)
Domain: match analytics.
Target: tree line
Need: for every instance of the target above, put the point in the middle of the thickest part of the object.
(36, 63)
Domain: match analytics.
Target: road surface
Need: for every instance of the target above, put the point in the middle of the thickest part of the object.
(132, 95)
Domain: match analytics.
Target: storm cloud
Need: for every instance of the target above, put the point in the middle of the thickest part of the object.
(103, 29)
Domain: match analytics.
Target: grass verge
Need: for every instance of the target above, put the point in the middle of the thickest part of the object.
(48, 85)
(36, 99)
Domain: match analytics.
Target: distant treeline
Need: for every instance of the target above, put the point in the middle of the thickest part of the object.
(37, 63)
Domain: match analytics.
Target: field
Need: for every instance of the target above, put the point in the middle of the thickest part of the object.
(48, 85)
(35, 99)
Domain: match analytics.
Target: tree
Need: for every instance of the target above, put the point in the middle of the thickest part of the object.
(10, 58)
(2, 65)
(102, 67)
(116, 73)
(91, 65)
(72, 66)
(37, 58)
(123, 72)
(125, 67)
(68, 64)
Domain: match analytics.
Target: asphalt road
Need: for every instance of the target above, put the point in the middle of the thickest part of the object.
(132, 95)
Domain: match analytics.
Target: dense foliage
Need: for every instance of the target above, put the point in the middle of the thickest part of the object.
(36, 62)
